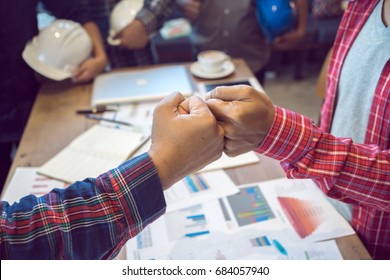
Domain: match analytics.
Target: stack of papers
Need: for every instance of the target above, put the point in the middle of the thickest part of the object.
(276, 219)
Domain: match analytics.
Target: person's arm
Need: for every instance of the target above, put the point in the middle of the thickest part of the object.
(356, 173)
(190, 8)
(293, 37)
(185, 138)
(94, 218)
(73, 10)
(148, 20)
(96, 64)
(91, 219)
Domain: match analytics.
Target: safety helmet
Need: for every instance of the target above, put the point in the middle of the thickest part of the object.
(276, 16)
(123, 14)
(58, 49)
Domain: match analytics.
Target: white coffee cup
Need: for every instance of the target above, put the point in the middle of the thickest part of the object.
(212, 61)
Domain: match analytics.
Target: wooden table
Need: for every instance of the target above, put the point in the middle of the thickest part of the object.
(53, 124)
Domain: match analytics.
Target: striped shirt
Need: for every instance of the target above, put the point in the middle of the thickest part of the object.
(91, 219)
(358, 174)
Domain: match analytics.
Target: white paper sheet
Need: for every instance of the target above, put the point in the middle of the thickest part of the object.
(199, 188)
(295, 213)
(194, 222)
(228, 162)
(26, 181)
(94, 152)
(296, 204)
(244, 244)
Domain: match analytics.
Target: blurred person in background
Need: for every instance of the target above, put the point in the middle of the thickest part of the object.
(134, 48)
(231, 26)
(18, 82)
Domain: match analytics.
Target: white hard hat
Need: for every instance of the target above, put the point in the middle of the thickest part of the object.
(58, 49)
(123, 14)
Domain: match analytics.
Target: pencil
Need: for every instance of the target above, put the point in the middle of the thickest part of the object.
(94, 110)
(99, 118)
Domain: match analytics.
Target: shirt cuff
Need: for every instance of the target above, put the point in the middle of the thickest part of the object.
(289, 138)
(148, 19)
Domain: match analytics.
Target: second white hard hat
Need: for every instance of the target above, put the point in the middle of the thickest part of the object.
(58, 50)
(123, 13)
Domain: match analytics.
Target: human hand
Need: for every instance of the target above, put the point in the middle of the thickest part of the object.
(89, 69)
(190, 8)
(134, 36)
(185, 137)
(288, 39)
(245, 115)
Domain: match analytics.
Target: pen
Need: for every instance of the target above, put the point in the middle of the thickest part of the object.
(98, 118)
(279, 247)
(94, 110)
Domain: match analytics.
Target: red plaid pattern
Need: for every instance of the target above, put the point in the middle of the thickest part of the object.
(358, 174)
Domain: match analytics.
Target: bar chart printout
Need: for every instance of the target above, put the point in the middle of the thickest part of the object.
(249, 206)
(197, 221)
(187, 223)
(260, 241)
(195, 183)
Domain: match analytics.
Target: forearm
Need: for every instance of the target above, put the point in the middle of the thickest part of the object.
(302, 16)
(97, 41)
(91, 219)
(360, 173)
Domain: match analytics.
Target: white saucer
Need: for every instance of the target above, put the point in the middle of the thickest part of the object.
(228, 68)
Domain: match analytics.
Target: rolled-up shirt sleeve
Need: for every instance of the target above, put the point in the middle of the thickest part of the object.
(154, 13)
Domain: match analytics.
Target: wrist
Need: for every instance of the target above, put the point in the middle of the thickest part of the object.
(165, 171)
(148, 20)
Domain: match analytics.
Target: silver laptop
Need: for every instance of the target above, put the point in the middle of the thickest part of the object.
(143, 85)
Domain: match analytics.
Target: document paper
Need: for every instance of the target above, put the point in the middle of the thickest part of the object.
(94, 152)
(26, 181)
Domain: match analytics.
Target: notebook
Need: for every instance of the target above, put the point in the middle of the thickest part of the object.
(143, 85)
(94, 152)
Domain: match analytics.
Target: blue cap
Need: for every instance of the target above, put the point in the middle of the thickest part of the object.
(276, 16)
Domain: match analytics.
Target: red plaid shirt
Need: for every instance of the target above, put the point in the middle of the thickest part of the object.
(358, 174)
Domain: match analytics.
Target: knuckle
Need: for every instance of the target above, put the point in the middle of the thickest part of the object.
(246, 90)
(229, 152)
(210, 120)
(237, 116)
